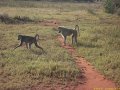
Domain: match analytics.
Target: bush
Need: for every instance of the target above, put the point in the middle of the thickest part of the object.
(5, 18)
(109, 6)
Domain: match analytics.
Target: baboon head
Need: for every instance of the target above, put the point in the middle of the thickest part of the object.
(19, 37)
(59, 29)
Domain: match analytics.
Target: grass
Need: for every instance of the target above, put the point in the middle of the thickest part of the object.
(101, 46)
(99, 43)
(22, 68)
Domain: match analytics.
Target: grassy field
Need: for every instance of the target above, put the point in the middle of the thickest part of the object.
(21, 68)
(99, 42)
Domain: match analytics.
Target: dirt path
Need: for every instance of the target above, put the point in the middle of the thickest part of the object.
(94, 80)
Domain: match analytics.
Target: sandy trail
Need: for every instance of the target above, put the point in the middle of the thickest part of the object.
(94, 80)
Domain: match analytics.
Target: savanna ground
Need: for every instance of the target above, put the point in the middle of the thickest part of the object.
(99, 43)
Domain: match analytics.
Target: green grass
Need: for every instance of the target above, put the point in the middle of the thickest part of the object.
(21, 67)
(99, 43)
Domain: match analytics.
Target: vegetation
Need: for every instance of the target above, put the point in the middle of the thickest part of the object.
(14, 20)
(109, 6)
(99, 42)
(21, 67)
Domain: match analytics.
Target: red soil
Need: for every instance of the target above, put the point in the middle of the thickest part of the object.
(50, 23)
(93, 78)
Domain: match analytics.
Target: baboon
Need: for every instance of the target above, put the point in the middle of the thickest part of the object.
(29, 40)
(67, 32)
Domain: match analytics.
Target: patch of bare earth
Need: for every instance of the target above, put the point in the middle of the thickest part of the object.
(50, 22)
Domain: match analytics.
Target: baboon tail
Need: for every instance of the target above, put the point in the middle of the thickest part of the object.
(37, 37)
(77, 29)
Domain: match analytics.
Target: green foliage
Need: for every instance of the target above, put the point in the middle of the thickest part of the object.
(109, 6)
(100, 44)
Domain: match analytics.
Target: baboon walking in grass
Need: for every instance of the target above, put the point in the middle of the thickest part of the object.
(67, 32)
(29, 40)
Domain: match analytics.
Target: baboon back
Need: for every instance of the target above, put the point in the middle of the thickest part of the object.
(28, 39)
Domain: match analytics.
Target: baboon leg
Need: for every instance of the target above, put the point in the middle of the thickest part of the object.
(65, 37)
(27, 45)
(76, 40)
(18, 45)
(72, 39)
(38, 46)
(30, 45)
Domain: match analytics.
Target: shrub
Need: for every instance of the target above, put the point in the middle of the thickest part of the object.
(109, 6)
(5, 18)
